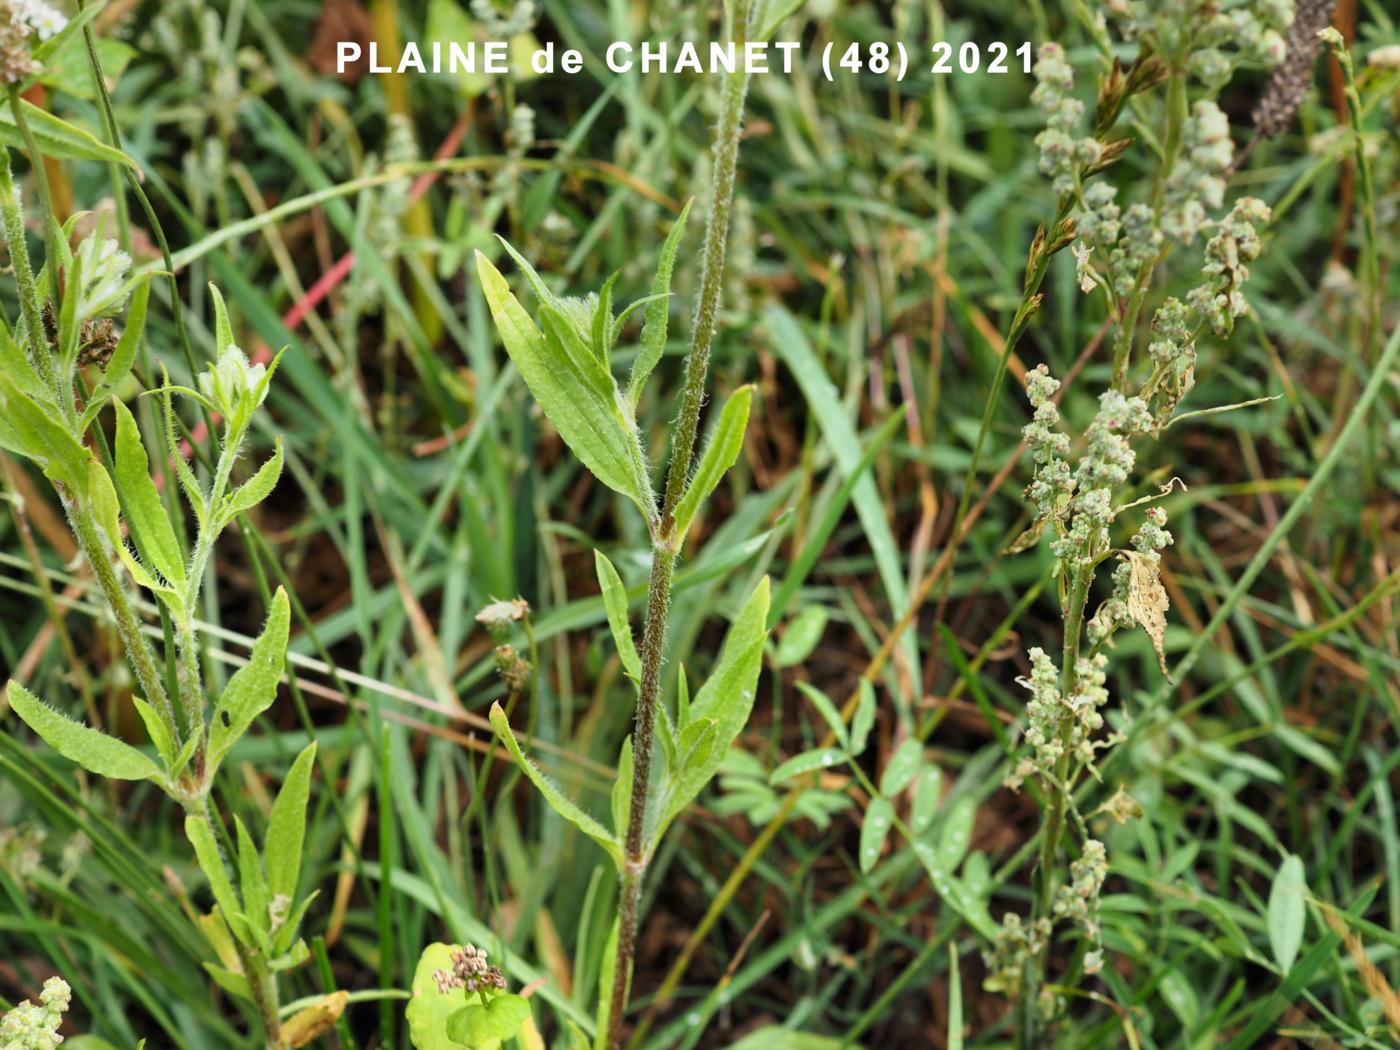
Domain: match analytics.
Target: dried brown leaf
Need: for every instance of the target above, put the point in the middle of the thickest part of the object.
(1147, 600)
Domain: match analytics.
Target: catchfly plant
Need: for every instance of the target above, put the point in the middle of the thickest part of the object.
(564, 354)
(63, 369)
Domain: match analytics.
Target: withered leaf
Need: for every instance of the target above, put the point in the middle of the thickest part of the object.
(1147, 600)
(315, 1020)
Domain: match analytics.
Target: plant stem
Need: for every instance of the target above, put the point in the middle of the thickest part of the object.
(138, 650)
(666, 544)
(24, 278)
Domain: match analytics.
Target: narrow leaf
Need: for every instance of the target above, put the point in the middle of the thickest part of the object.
(255, 489)
(211, 862)
(900, 769)
(721, 451)
(561, 803)
(818, 758)
(287, 826)
(801, 636)
(957, 833)
(252, 689)
(864, 720)
(658, 312)
(57, 138)
(1287, 911)
(586, 411)
(93, 750)
(927, 795)
(615, 602)
(145, 513)
(879, 817)
(828, 711)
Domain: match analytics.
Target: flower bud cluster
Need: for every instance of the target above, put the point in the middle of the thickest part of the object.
(1015, 943)
(1106, 464)
(1062, 150)
(103, 266)
(1235, 244)
(501, 25)
(1050, 488)
(470, 971)
(1196, 185)
(31, 1027)
(1173, 353)
(234, 386)
(1079, 900)
(1219, 36)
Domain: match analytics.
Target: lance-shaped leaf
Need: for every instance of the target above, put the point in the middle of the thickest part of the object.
(57, 138)
(879, 818)
(658, 312)
(211, 862)
(720, 710)
(15, 364)
(615, 602)
(32, 430)
(255, 489)
(102, 498)
(145, 513)
(286, 828)
(573, 387)
(553, 794)
(720, 453)
(93, 750)
(252, 884)
(252, 689)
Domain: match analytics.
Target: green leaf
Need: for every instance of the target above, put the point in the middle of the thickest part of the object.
(725, 700)
(698, 757)
(1287, 900)
(252, 689)
(484, 1027)
(615, 602)
(287, 826)
(806, 762)
(606, 973)
(157, 730)
(145, 513)
(864, 720)
(57, 138)
(622, 791)
(93, 750)
(900, 769)
(15, 364)
(828, 711)
(879, 817)
(957, 833)
(775, 1038)
(721, 451)
(34, 429)
(658, 313)
(68, 69)
(801, 636)
(561, 803)
(581, 401)
(255, 489)
(428, 1008)
(211, 862)
(252, 883)
(927, 795)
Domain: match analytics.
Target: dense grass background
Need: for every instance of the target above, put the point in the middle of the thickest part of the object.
(880, 238)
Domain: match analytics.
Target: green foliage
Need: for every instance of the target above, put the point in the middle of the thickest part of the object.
(98, 753)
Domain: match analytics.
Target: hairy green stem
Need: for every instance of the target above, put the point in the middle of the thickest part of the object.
(667, 544)
(138, 649)
(29, 298)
